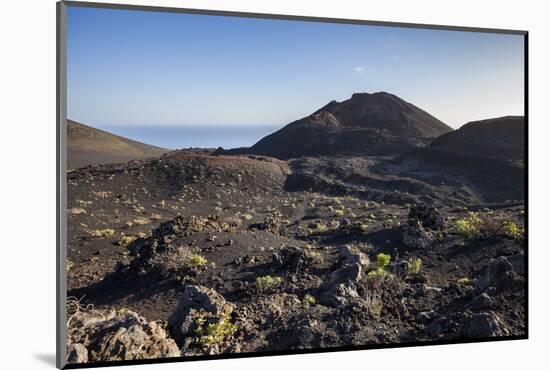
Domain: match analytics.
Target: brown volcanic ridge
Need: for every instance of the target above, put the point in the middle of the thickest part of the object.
(488, 154)
(90, 146)
(372, 124)
(502, 137)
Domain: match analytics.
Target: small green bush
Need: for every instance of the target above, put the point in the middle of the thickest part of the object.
(414, 265)
(464, 281)
(308, 298)
(377, 272)
(215, 333)
(266, 282)
(318, 227)
(469, 227)
(511, 229)
(104, 233)
(382, 260)
(121, 312)
(196, 260)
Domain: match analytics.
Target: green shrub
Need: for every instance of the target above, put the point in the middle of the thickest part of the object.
(469, 227)
(308, 298)
(266, 282)
(121, 312)
(414, 265)
(215, 333)
(511, 229)
(377, 272)
(104, 233)
(196, 260)
(125, 240)
(464, 281)
(318, 227)
(382, 260)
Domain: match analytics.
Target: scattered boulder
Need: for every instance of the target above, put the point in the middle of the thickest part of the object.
(352, 264)
(340, 285)
(499, 274)
(194, 300)
(348, 273)
(305, 332)
(484, 325)
(423, 221)
(77, 354)
(417, 236)
(436, 327)
(273, 223)
(425, 317)
(340, 295)
(518, 263)
(294, 257)
(481, 302)
(168, 231)
(76, 210)
(98, 335)
(428, 216)
(351, 254)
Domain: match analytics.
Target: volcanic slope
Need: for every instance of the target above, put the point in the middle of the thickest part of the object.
(371, 124)
(90, 146)
(288, 270)
(502, 137)
(486, 156)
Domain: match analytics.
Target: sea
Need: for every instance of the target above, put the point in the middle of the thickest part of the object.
(199, 136)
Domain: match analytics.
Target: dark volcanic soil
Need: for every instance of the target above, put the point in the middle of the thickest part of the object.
(277, 253)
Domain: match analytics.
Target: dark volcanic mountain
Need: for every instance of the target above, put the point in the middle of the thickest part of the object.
(87, 145)
(488, 155)
(502, 137)
(374, 124)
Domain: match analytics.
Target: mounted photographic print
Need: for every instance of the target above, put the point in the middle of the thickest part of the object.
(235, 184)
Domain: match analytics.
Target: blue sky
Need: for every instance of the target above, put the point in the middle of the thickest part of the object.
(137, 68)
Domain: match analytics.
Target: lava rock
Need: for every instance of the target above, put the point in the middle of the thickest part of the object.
(77, 354)
(429, 217)
(339, 295)
(425, 316)
(352, 264)
(293, 257)
(495, 274)
(194, 300)
(100, 335)
(415, 235)
(483, 325)
(482, 301)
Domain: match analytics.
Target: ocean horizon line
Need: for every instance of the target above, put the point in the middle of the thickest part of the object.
(199, 136)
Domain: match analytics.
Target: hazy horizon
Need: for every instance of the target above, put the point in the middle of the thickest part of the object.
(192, 136)
(150, 69)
